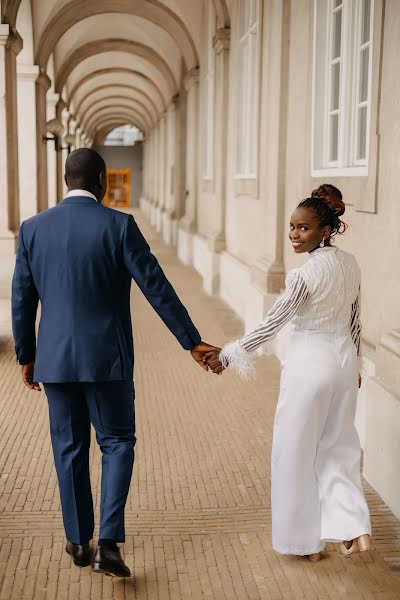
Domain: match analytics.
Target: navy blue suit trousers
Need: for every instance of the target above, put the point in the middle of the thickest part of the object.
(109, 406)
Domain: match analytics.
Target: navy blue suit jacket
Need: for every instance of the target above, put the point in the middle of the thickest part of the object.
(79, 259)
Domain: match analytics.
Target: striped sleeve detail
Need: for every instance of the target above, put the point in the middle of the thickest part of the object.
(355, 323)
(286, 306)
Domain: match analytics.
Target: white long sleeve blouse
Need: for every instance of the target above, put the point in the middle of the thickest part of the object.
(323, 294)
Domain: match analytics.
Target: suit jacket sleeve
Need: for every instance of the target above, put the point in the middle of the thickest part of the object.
(147, 273)
(24, 304)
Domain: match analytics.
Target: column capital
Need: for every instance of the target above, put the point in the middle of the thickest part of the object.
(27, 72)
(43, 80)
(216, 241)
(10, 38)
(267, 276)
(222, 40)
(175, 101)
(52, 100)
(60, 105)
(191, 78)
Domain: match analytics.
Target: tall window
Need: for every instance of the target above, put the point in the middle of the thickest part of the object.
(342, 85)
(208, 95)
(248, 88)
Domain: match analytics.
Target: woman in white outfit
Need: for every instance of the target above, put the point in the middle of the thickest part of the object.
(316, 484)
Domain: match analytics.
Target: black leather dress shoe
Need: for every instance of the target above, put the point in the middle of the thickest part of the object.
(81, 554)
(108, 560)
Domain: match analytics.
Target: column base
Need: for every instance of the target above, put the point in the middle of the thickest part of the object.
(378, 420)
(185, 246)
(159, 219)
(8, 247)
(207, 263)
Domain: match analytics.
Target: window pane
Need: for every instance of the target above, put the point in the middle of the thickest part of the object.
(334, 137)
(337, 34)
(364, 62)
(365, 20)
(253, 11)
(242, 103)
(252, 104)
(335, 86)
(243, 17)
(362, 133)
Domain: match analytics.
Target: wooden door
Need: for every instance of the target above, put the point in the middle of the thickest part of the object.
(118, 188)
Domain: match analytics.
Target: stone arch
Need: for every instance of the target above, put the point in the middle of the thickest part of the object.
(222, 13)
(9, 11)
(128, 113)
(152, 10)
(102, 133)
(114, 45)
(118, 71)
(105, 127)
(112, 102)
(124, 90)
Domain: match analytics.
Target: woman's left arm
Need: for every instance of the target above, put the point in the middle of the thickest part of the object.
(237, 355)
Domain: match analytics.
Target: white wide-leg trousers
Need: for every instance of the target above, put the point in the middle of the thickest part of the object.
(316, 484)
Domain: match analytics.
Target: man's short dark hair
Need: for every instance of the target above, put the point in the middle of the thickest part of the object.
(83, 167)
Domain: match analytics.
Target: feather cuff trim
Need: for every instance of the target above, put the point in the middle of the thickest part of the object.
(238, 360)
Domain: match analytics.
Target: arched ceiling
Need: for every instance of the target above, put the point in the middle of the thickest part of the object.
(111, 93)
(113, 106)
(116, 76)
(114, 56)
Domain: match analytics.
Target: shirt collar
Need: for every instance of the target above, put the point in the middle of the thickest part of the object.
(81, 193)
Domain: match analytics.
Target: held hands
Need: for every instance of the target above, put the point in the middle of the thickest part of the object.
(27, 377)
(207, 357)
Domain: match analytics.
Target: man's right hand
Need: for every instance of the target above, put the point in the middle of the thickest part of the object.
(27, 377)
(199, 352)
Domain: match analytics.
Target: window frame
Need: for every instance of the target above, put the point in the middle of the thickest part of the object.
(208, 96)
(346, 164)
(243, 116)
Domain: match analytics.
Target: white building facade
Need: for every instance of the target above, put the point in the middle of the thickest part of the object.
(246, 106)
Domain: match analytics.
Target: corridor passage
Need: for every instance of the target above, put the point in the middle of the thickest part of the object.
(198, 516)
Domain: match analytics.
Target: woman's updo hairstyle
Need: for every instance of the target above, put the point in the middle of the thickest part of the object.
(327, 203)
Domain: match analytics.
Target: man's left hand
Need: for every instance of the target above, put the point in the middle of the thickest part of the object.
(198, 353)
(27, 377)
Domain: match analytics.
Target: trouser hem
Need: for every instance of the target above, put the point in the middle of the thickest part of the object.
(299, 550)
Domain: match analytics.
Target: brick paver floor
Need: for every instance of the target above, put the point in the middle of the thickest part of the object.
(198, 517)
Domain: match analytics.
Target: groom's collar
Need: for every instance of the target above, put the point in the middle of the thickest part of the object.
(79, 197)
(81, 193)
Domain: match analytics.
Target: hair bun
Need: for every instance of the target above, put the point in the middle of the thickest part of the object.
(330, 194)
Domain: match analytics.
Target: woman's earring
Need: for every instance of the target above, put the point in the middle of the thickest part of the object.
(322, 243)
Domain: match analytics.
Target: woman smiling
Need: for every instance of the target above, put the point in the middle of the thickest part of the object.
(315, 477)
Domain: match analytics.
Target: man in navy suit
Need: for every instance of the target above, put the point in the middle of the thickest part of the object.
(79, 259)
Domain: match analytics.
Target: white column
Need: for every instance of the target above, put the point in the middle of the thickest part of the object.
(27, 158)
(216, 238)
(187, 224)
(156, 186)
(216, 241)
(52, 101)
(161, 172)
(65, 117)
(10, 46)
(78, 134)
(169, 214)
(42, 85)
(72, 130)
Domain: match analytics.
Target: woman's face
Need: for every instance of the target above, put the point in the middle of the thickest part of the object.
(305, 232)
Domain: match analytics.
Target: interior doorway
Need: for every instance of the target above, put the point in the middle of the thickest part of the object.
(118, 193)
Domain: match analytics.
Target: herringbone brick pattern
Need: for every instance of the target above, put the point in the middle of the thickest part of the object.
(198, 516)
